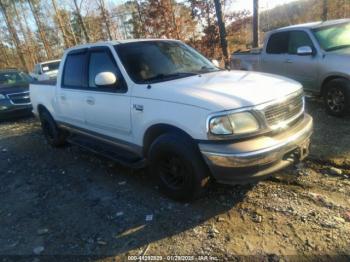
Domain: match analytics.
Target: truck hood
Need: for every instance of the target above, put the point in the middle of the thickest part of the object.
(223, 90)
(340, 52)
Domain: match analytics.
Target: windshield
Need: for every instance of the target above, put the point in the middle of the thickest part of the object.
(333, 37)
(13, 78)
(50, 66)
(156, 61)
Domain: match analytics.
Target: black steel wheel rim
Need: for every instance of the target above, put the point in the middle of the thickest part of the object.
(173, 171)
(336, 100)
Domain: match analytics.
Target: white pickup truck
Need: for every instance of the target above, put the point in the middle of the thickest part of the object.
(46, 70)
(160, 103)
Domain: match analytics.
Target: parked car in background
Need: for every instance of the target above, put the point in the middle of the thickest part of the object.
(14, 93)
(46, 70)
(161, 103)
(315, 54)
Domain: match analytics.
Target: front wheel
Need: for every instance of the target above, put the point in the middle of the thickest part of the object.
(176, 163)
(54, 136)
(336, 97)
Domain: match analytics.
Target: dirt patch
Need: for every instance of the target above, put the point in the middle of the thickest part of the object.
(72, 203)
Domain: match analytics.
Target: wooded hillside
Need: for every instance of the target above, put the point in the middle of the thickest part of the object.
(32, 31)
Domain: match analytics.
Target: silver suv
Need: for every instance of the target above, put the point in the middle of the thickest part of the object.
(315, 54)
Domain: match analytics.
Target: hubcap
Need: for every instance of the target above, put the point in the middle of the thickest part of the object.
(336, 100)
(173, 171)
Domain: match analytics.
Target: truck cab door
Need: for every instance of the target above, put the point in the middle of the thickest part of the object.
(72, 82)
(107, 108)
(302, 67)
(275, 53)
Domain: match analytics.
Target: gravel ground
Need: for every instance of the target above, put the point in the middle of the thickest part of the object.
(72, 203)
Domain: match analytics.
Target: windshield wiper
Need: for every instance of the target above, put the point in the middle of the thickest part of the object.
(337, 47)
(168, 76)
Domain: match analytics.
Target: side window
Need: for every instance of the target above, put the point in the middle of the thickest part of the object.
(298, 39)
(278, 43)
(74, 70)
(103, 61)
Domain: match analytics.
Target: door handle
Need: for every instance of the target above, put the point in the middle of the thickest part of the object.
(90, 101)
(289, 61)
(63, 97)
(138, 107)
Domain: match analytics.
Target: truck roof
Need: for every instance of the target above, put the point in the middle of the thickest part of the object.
(314, 25)
(117, 42)
(50, 61)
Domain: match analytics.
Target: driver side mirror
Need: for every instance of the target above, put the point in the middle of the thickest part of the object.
(304, 50)
(215, 62)
(106, 79)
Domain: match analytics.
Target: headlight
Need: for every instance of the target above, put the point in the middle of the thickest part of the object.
(2, 96)
(236, 123)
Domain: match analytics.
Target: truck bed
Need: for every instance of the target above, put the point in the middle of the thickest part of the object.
(42, 93)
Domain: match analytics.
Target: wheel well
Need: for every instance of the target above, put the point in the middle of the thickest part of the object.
(41, 109)
(157, 130)
(327, 80)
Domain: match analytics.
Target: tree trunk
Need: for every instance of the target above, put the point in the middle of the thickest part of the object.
(222, 31)
(32, 43)
(13, 32)
(4, 57)
(105, 18)
(60, 24)
(256, 23)
(325, 10)
(81, 22)
(40, 29)
(174, 19)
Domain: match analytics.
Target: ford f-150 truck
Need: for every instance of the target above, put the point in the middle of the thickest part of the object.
(314, 54)
(161, 104)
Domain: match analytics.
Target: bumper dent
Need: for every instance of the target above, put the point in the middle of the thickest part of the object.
(259, 156)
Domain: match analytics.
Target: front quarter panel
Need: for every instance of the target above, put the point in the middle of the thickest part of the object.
(189, 119)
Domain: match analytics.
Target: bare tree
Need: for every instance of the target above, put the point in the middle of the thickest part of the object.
(105, 17)
(325, 10)
(80, 20)
(12, 30)
(222, 31)
(60, 24)
(34, 8)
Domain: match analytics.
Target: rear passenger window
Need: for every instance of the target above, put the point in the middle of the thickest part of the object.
(278, 43)
(74, 70)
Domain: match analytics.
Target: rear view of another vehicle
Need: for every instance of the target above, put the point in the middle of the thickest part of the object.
(14, 94)
(46, 70)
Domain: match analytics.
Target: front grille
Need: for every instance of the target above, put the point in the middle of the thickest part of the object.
(19, 98)
(284, 111)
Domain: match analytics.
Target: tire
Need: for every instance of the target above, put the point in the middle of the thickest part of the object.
(54, 136)
(336, 97)
(178, 167)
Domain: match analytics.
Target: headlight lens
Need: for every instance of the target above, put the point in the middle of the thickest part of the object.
(236, 123)
(2, 96)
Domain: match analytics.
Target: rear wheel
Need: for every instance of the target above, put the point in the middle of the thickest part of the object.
(336, 97)
(178, 167)
(54, 136)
